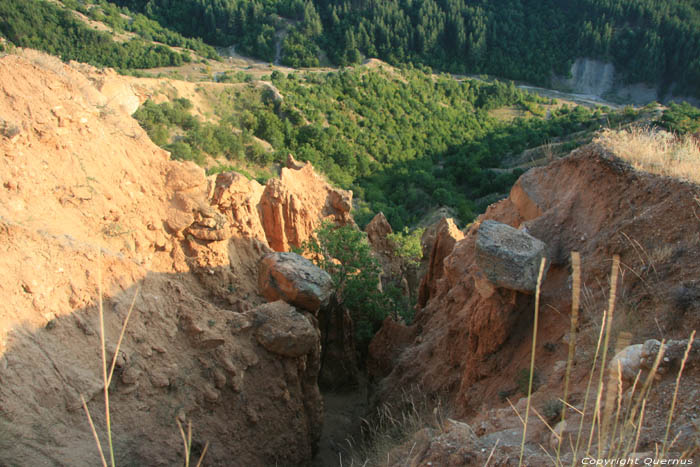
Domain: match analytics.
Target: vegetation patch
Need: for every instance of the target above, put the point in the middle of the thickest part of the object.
(647, 41)
(375, 129)
(46, 26)
(655, 151)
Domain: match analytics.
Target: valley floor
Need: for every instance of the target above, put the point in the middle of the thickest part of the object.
(343, 412)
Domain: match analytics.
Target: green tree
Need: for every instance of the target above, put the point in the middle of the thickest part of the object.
(681, 118)
(345, 254)
(407, 245)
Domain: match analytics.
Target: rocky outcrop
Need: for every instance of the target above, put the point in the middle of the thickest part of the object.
(439, 241)
(239, 199)
(228, 223)
(377, 231)
(294, 279)
(283, 213)
(88, 203)
(509, 257)
(293, 206)
(472, 337)
(188, 186)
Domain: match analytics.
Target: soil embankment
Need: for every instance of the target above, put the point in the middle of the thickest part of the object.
(89, 203)
(472, 339)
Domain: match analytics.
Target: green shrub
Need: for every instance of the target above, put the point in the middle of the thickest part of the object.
(408, 246)
(523, 380)
(552, 409)
(681, 118)
(345, 254)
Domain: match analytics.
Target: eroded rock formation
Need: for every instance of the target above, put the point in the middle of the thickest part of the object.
(438, 242)
(292, 206)
(472, 336)
(88, 203)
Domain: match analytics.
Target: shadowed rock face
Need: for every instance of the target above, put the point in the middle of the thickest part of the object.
(283, 330)
(294, 279)
(509, 257)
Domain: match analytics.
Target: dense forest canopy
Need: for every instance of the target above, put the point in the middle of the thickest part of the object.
(647, 40)
(46, 26)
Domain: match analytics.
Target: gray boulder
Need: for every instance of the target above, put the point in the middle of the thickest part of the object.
(282, 330)
(294, 279)
(509, 257)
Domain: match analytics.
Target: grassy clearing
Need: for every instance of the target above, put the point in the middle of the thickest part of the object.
(656, 151)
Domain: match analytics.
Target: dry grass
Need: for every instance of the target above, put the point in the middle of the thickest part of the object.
(392, 425)
(656, 151)
(615, 420)
(107, 380)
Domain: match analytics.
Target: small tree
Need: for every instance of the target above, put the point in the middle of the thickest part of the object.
(409, 251)
(408, 246)
(345, 254)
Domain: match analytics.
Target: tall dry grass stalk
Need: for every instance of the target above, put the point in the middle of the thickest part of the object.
(656, 151)
(617, 418)
(532, 359)
(106, 377)
(107, 380)
(575, 303)
(611, 308)
(187, 441)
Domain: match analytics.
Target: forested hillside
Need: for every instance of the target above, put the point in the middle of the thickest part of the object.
(405, 141)
(647, 40)
(46, 26)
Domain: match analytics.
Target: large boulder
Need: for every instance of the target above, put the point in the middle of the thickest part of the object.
(640, 357)
(294, 279)
(283, 330)
(510, 258)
